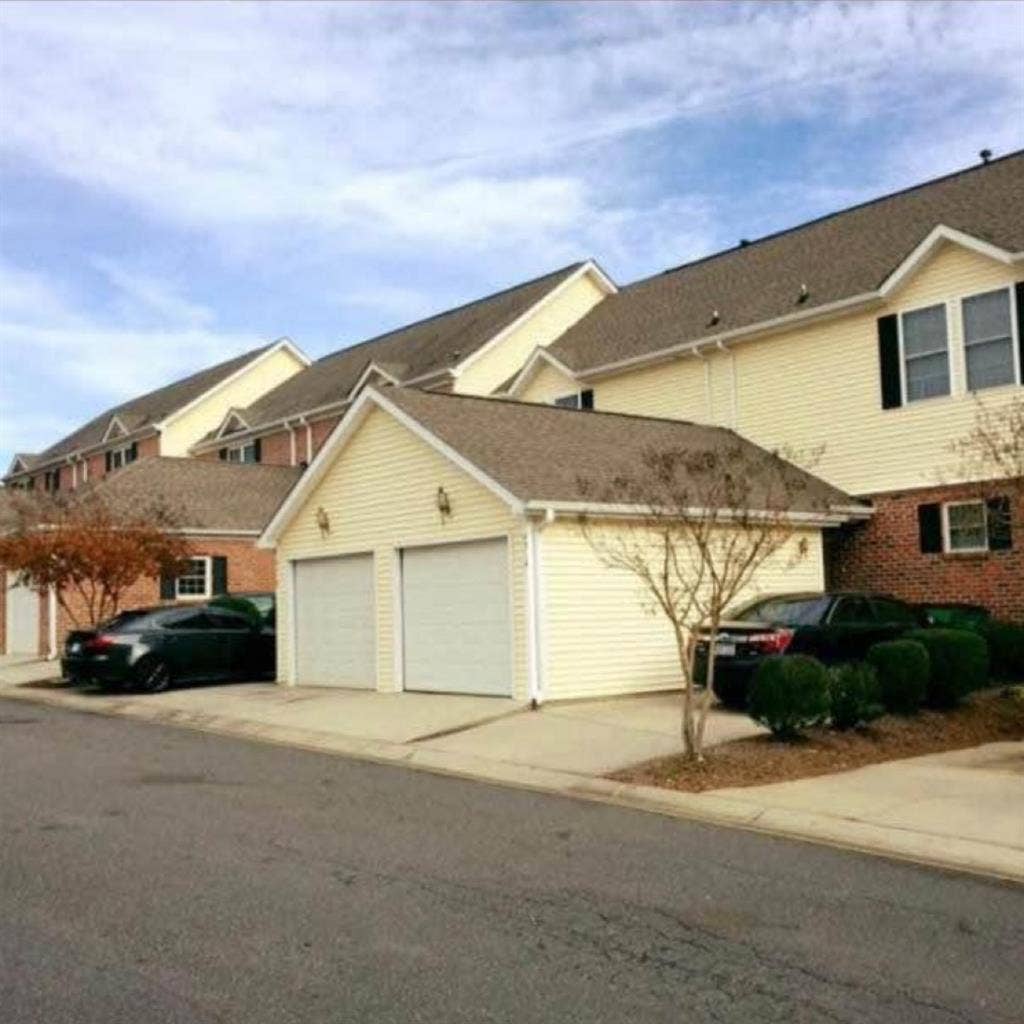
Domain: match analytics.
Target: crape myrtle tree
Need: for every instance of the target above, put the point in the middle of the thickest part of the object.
(90, 548)
(993, 452)
(694, 527)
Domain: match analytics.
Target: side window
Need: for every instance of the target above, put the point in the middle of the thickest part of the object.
(850, 610)
(988, 340)
(189, 621)
(228, 620)
(925, 353)
(892, 611)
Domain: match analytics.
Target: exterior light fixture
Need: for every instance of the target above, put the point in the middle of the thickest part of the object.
(444, 503)
(804, 293)
(323, 521)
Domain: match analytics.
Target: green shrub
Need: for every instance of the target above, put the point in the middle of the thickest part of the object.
(853, 695)
(902, 667)
(958, 663)
(789, 693)
(1006, 649)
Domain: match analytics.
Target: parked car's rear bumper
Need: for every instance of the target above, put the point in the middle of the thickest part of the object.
(107, 671)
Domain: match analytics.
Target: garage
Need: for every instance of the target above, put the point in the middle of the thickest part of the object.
(21, 618)
(456, 618)
(335, 614)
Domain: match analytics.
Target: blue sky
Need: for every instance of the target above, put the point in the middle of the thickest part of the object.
(181, 182)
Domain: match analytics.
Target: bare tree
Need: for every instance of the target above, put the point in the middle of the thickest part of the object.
(694, 527)
(993, 453)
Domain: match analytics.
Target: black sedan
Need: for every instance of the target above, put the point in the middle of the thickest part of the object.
(151, 649)
(834, 628)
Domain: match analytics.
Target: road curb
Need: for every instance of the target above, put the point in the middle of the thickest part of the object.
(963, 855)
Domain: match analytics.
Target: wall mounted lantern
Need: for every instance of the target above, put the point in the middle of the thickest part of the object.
(444, 504)
(323, 521)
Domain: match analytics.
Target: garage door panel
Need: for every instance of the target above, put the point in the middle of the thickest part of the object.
(335, 622)
(21, 618)
(456, 618)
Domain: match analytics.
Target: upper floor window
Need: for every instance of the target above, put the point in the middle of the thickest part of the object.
(248, 452)
(51, 480)
(118, 457)
(988, 340)
(577, 400)
(925, 353)
(195, 581)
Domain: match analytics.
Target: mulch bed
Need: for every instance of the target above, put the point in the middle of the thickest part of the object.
(989, 716)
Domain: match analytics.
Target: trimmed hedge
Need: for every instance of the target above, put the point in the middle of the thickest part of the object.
(903, 668)
(1006, 649)
(789, 693)
(853, 695)
(958, 662)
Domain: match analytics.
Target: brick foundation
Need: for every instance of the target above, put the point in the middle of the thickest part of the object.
(884, 555)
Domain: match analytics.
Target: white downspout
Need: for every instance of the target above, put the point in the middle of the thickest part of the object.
(51, 599)
(291, 444)
(535, 591)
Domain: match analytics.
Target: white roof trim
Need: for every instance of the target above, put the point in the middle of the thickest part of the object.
(232, 414)
(108, 434)
(282, 344)
(834, 515)
(18, 465)
(339, 437)
(587, 269)
(910, 264)
(371, 368)
(532, 367)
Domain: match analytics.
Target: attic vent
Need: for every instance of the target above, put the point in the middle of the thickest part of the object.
(986, 155)
(714, 318)
(804, 293)
(744, 242)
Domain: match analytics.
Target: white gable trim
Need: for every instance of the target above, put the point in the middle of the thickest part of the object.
(233, 415)
(108, 434)
(371, 368)
(281, 345)
(589, 269)
(864, 300)
(532, 367)
(340, 436)
(18, 465)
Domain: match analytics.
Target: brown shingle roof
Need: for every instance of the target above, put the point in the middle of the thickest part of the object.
(435, 344)
(201, 494)
(837, 257)
(141, 413)
(541, 452)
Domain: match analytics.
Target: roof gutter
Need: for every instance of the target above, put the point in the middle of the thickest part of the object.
(834, 515)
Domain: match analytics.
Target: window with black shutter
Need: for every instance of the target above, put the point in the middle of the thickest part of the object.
(929, 525)
(1000, 527)
(889, 361)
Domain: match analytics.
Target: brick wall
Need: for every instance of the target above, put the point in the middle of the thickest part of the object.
(276, 449)
(884, 555)
(322, 430)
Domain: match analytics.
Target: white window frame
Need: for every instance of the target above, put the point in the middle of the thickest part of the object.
(905, 400)
(947, 547)
(207, 560)
(1015, 358)
(239, 449)
(121, 454)
(578, 395)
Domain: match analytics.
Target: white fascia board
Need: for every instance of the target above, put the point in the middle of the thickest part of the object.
(358, 411)
(865, 300)
(108, 434)
(281, 345)
(532, 366)
(232, 414)
(588, 269)
(834, 516)
(371, 368)
(16, 466)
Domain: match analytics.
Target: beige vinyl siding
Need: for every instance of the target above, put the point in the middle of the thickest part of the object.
(601, 635)
(673, 390)
(547, 384)
(493, 366)
(253, 382)
(380, 496)
(819, 386)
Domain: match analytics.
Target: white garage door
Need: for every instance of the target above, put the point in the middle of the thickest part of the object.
(456, 619)
(335, 632)
(21, 618)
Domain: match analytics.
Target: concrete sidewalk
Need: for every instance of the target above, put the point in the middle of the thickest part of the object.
(962, 810)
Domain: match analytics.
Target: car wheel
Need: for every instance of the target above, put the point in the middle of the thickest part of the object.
(152, 675)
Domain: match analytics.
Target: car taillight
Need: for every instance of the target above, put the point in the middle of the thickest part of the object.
(99, 643)
(775, 642)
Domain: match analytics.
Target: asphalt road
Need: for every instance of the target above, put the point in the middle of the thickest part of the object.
(152, 875)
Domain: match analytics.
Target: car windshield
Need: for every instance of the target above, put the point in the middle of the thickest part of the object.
(786, 611)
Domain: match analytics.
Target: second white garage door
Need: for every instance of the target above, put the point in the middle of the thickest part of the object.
(335, 634)
(22, 617)
(456, 618)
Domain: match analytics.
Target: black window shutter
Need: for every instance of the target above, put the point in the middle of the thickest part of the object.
(220, 575)
(1000, 531)
(223, 453)
(108, 459)
(256, 450)
(133, 452)
(166, 587)
(929, 524)
(889, 361)
(1018, 289)
(587, 399)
